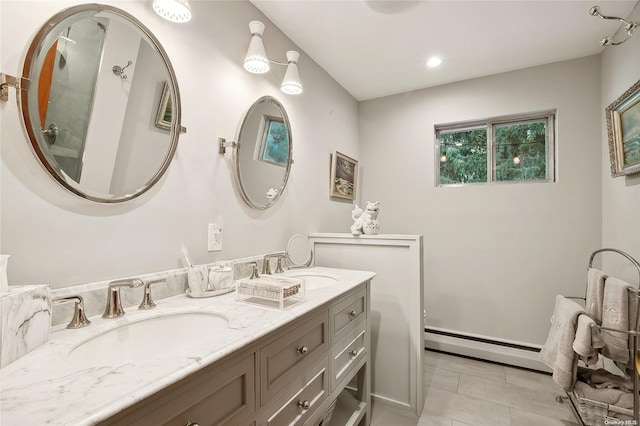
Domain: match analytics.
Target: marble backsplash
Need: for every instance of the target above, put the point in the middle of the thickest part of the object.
(95, 294)
(25, 320)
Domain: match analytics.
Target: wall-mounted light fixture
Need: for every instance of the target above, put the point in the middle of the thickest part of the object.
(173, 10)
(257, 62)
(629, 26)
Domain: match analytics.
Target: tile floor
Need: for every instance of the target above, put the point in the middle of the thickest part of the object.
(467, 392)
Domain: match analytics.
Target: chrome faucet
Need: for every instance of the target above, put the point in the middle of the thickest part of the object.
(266, 263)
(114, 304)
(79, 319)
(147, 303)
(279, 269)
(254, 270)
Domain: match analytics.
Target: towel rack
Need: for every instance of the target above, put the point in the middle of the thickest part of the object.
(633, 333)
(620, 252)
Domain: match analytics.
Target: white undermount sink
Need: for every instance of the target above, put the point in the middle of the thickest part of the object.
(313, 280)
(147, 338)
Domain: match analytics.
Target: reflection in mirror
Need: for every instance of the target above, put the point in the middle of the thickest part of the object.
(263, 154)
(102, 110)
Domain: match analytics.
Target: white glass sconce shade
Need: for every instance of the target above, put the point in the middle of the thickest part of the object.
(291, 84)
(256, 60)
(173, 10)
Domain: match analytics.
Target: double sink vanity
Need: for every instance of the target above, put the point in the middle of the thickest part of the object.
(206, 361)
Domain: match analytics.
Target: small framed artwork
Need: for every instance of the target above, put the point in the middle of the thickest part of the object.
(273, 143)
(623, 128)
(163, 116)
(344, 171)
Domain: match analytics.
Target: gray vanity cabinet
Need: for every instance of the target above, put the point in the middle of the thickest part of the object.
(293, 376)
(293, 355)
(220, 394)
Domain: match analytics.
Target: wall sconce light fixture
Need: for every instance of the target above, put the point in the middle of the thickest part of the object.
(629, 26)
(173, 10)
(257, 62)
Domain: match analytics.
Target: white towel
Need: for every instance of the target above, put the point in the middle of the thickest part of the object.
(617, 306)
(595, 294)
(615, 397)
(588, 340)
(558, 352)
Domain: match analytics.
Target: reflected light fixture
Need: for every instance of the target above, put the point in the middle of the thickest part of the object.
(173, 10)
(257, 62)
(516, 159)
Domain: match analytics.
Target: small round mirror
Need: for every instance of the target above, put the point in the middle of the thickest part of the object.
(299, 252)
(263, 154)
(102, 108)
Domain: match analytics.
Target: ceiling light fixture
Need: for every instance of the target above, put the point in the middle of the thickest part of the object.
(173, 10)
(629, 26)
(257, 62)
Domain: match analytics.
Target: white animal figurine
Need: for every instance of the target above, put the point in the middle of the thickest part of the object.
(366, 222)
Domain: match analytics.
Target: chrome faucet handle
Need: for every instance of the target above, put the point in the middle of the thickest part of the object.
(279, 268)
(254, 270)
(79, 319)
(147, 303)
(113, 309)
(266, 265)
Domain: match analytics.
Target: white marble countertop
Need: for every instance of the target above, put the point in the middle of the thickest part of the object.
(43, 387)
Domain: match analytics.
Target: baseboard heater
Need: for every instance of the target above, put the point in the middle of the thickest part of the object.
(503, 351)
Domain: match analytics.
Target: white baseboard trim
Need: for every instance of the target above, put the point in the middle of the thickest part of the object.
(461, 344)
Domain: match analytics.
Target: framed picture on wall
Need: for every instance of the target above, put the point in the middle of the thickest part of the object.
(273, 145)
(623, 128)
(163, 116)
(344, 171)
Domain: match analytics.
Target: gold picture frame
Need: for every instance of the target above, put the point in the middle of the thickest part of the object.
(164, 114)
(623, 129)
(344, 175)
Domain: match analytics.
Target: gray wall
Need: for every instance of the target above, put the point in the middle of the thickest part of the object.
(54, 237)
(495, 256)
(621, 195)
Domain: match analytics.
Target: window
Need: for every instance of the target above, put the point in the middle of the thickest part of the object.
(503, 149)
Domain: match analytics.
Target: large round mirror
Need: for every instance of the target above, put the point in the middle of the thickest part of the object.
(102, 107)
(263, 153)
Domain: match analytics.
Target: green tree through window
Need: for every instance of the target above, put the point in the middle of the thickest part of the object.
(499, 150)
(463, 156)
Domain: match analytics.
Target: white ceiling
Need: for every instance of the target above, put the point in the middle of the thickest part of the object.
(373, 54)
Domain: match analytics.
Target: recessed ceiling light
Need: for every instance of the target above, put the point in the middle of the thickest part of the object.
(434, 62)
(391, 7)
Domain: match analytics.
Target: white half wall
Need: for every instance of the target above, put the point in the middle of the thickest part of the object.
(56, 238)
(494, 256)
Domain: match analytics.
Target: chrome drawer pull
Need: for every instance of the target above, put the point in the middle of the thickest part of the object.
(353, 314)
(305, 405)
(302, 350)
(353, 353)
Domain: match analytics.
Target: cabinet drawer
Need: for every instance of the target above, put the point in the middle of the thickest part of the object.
(288, 356)
(347, 354)
(346, 313)
(223, 395)
(298, 408)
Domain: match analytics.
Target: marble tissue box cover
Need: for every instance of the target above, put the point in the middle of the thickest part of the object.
(26, 320)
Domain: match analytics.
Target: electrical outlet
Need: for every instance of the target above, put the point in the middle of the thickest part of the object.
(214, 240)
